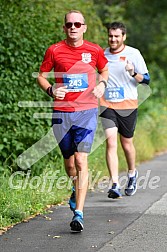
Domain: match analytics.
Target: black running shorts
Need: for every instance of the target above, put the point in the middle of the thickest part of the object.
(124, 120)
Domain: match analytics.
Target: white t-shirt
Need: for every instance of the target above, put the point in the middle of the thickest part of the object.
(121, 91)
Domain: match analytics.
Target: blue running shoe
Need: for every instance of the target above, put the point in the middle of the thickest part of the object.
(131, 187)
(72, 200)
(77, 222)
(114, 192)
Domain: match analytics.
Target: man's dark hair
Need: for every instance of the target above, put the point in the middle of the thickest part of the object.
(117, 25)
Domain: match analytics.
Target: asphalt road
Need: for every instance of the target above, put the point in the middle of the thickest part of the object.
(137, 223)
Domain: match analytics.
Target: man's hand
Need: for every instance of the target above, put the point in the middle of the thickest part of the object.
(59, 93)
(130, 68)
(99, 90)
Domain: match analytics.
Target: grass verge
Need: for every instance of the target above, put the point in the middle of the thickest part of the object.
(23, 195)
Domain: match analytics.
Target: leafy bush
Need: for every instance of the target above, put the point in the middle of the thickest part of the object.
(26, 34)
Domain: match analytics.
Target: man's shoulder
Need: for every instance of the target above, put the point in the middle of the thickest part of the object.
(57, 45)
(92, 45)
(107, 50)
(131, 49)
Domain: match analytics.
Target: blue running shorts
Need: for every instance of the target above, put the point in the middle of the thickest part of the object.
(74, 131)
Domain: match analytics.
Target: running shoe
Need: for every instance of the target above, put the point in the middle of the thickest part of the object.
(72, 200)
(114, 192)
(77, 223)
(131, 187)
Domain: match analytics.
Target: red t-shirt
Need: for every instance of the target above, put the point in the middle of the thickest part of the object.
(75, 67)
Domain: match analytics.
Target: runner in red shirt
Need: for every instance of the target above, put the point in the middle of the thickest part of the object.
(75, 62)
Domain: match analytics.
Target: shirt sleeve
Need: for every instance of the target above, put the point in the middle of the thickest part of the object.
(140, 65)
(48, 62)
(102, 60)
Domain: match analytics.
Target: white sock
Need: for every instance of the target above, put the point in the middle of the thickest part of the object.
(114, 181)
(131, 174)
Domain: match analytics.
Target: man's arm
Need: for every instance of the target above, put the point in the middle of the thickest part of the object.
(103, 76)
(140, 78)
(100, 88)
(58, 93)
(42, 81)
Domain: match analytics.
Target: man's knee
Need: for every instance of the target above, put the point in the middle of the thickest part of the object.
(80, 160)
(128, 144)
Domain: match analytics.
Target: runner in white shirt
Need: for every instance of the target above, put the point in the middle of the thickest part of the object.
(119, 104)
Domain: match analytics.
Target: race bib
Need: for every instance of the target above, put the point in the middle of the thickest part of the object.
(114, 94)
(76, 82)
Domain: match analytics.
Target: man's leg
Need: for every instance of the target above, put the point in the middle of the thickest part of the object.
(130, 154)
(82, 135)
(70, 167)
(77, 169)
(112, 162)
(82, 179)
(81, 187)
(127, 126)
(72, 173)
(111, 153)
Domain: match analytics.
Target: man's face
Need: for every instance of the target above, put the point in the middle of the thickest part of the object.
(116, 39)
(74, 33)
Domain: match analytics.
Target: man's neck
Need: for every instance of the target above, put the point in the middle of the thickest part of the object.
(74, 43)
(120, 49)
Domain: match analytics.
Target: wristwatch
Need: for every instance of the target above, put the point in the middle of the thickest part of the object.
(134, 74)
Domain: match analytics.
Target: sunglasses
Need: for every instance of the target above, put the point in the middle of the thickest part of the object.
(76, 24)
